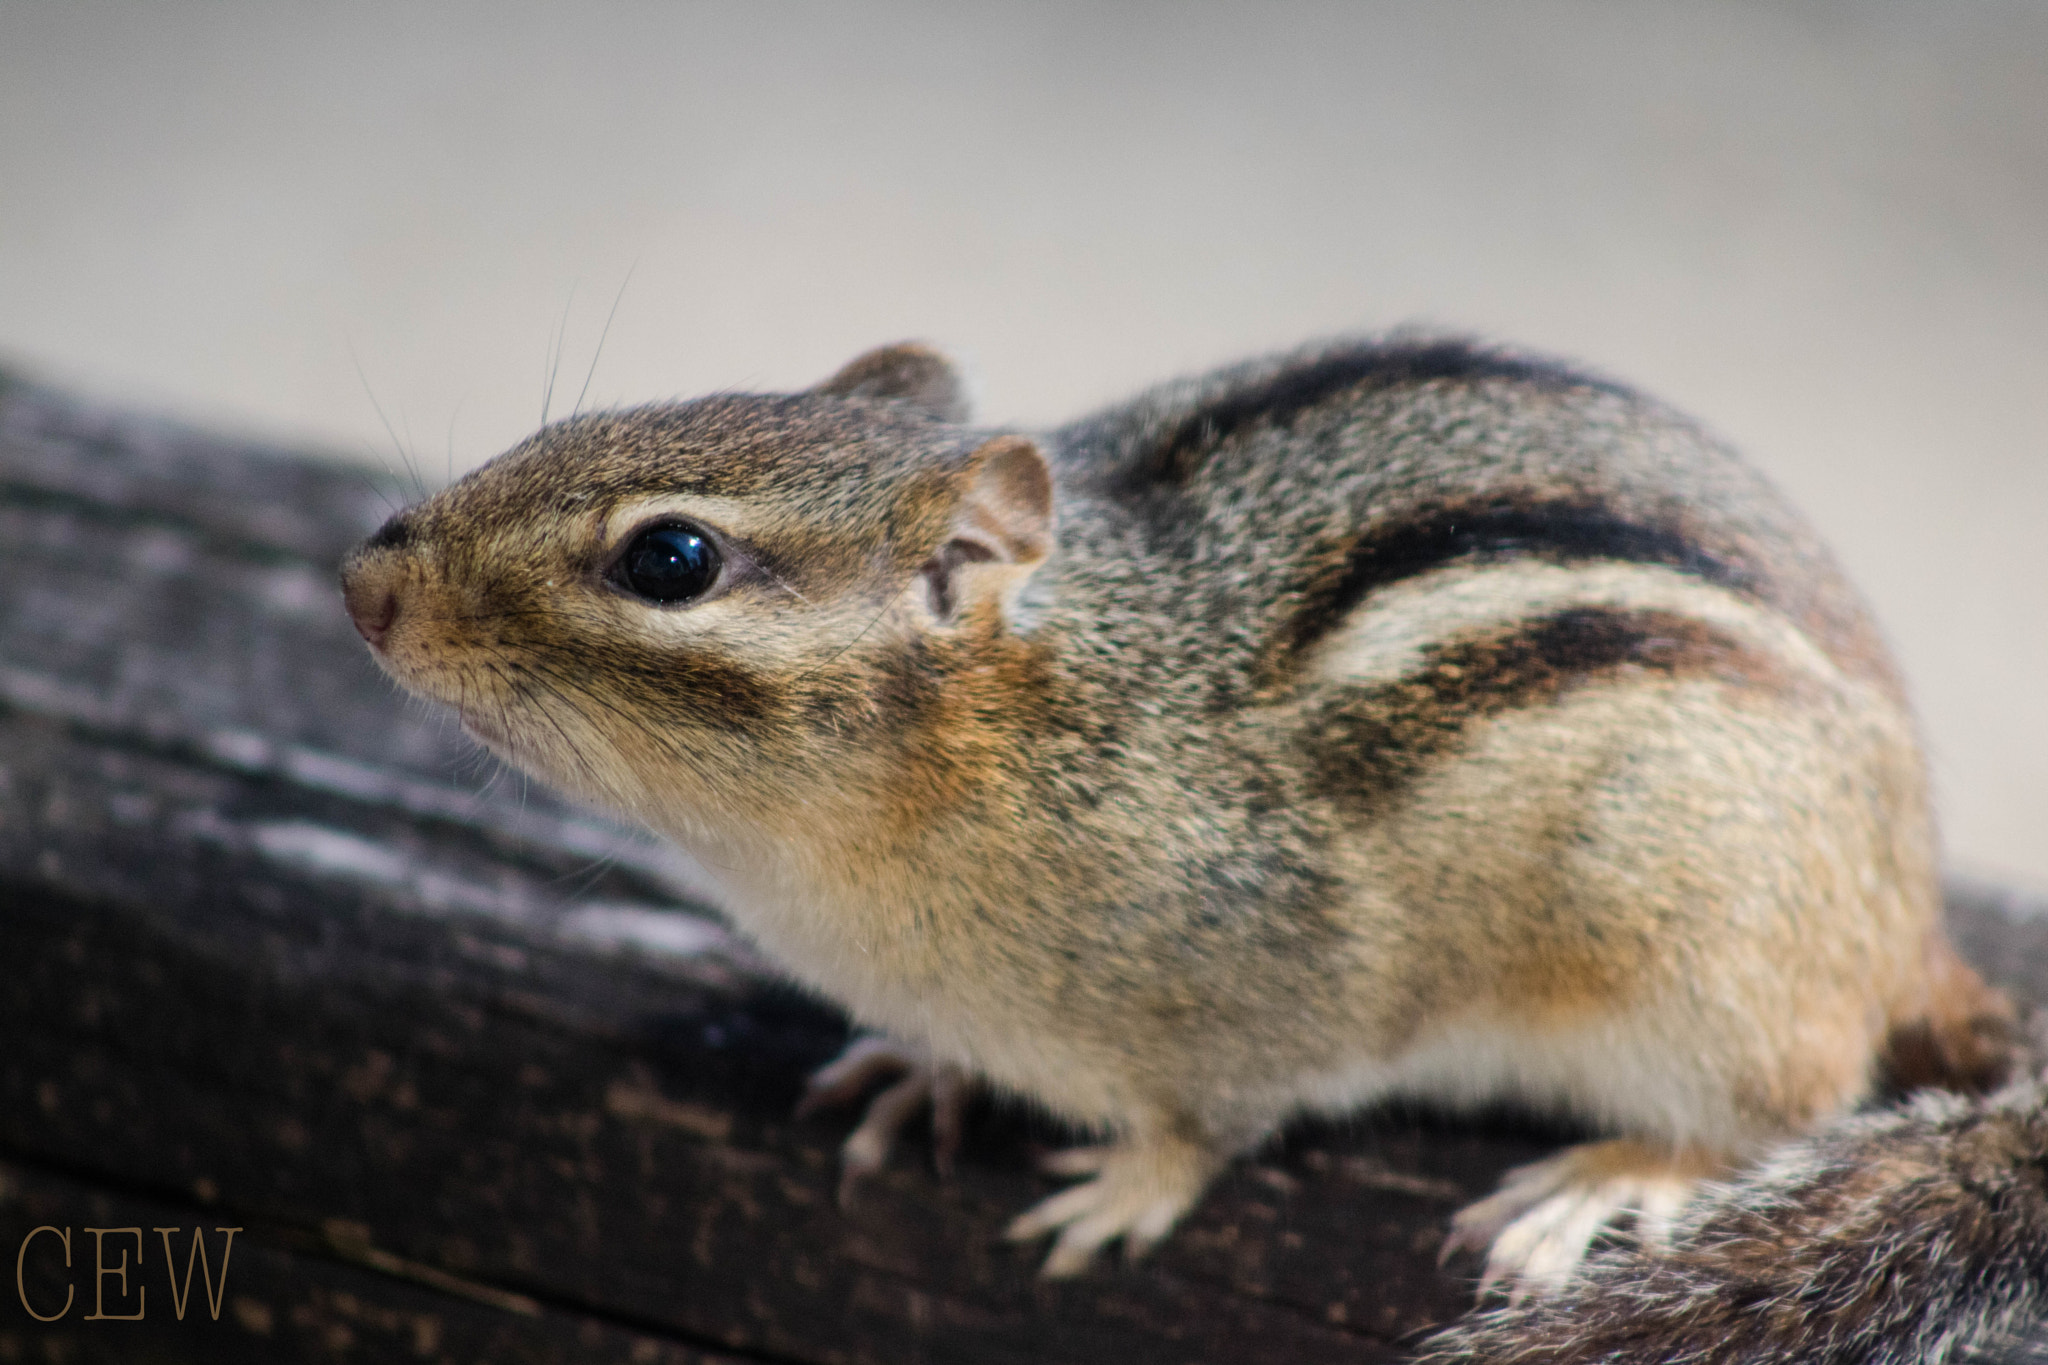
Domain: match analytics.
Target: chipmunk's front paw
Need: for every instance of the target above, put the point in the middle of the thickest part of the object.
(1139, 1190)
(1536, 1228)
(917, 1081)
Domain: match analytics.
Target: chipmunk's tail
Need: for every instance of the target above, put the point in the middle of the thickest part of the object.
(1916, 1234)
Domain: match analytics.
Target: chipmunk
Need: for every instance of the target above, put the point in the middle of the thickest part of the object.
(1398, 717)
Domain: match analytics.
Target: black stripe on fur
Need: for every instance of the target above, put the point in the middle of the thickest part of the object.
(1563, 531)
(1374, 741)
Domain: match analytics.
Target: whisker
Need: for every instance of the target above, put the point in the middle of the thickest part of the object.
(779, 580)
(599, 352)
(497, 773)
(518, 684)
(547, 394)
(827, 663)
(419, 484)
(563, 684)
(451, 437)
(382, 493)
(588, 878)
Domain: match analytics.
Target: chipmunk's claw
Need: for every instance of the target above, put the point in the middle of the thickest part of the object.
(867, 1062)
(1137, 1191)
(1535, 1230)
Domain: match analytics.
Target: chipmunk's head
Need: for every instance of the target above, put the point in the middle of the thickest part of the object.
(730, 609)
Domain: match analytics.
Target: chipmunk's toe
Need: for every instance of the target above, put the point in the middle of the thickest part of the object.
(1137, 1190)
(1537, 1227)
(914, 1081)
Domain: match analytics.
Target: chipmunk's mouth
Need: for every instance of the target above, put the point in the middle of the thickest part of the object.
(484, 731)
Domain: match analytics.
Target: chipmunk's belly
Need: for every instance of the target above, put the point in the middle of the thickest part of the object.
(1619, 1073)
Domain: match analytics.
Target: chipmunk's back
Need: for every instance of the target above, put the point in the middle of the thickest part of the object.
(1283, 493)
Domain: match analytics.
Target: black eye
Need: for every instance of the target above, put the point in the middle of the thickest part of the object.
(668, 563)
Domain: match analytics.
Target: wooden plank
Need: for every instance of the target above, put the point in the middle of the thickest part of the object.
(476, 1060)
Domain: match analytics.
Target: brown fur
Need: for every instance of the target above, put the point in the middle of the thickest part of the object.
(1391, 717)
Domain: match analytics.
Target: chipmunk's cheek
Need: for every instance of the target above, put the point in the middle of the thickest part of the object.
(503, 742)
(413, 664)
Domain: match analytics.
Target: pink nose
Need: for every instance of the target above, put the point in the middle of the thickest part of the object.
(372, 605)
(373, 623)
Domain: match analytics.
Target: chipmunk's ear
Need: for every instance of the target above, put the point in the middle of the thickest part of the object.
(1002, 530)
(909, 372)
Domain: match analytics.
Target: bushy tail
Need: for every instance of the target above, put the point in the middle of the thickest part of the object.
(1917, 1234)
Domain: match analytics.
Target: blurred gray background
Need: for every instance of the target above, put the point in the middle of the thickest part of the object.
(1821, 226)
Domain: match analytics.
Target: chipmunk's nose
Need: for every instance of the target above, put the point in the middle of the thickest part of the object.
(373, 610)
(370, 580)
(372, 600)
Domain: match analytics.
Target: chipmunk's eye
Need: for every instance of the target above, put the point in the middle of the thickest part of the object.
(668, 564)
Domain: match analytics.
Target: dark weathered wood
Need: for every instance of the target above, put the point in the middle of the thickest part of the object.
(476, 1078)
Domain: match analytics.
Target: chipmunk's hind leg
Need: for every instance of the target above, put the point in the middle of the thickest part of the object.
(1733, 900)
(914, 1080)
(1538, 1226)
(1139, 1187)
